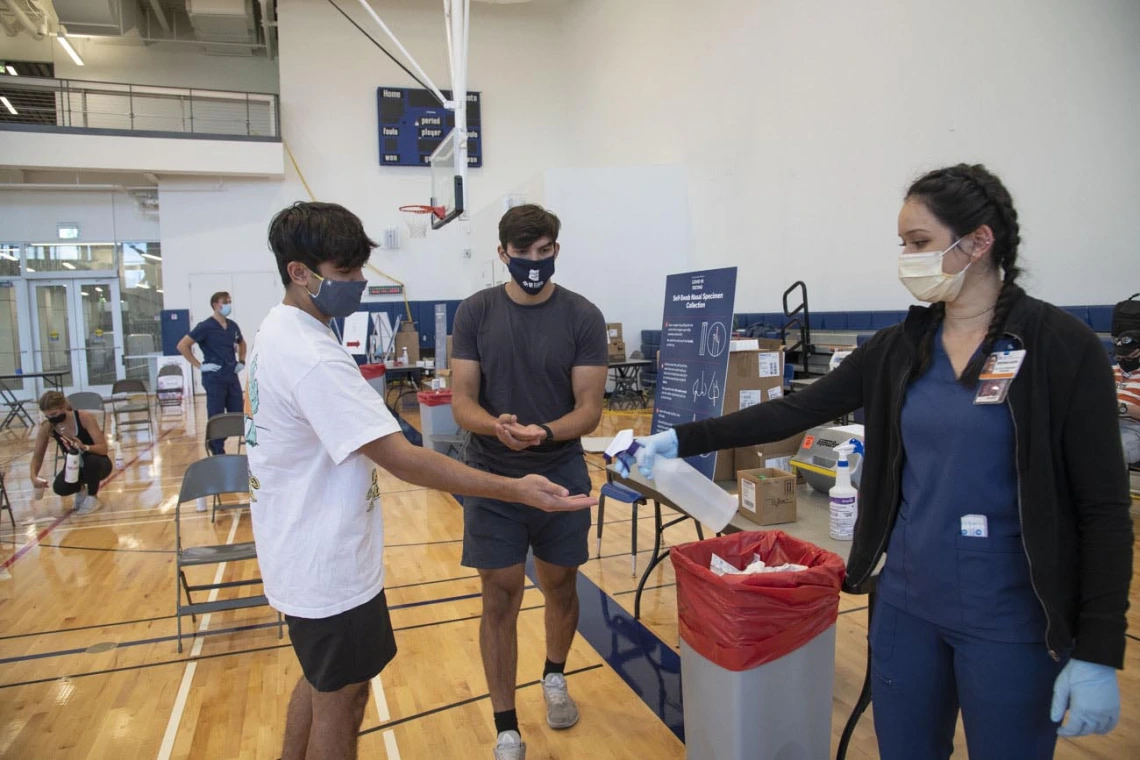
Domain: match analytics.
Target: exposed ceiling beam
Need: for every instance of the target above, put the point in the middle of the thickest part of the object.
(160, 15)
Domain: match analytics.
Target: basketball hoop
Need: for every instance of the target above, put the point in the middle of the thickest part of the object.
(417, 218)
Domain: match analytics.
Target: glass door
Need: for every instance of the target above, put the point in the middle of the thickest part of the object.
(77, 331)
(51, 310)
(15, 338)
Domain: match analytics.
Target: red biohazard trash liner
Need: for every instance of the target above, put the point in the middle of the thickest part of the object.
(757, 651)
(741, 621)
(434, 398)
(372, 371)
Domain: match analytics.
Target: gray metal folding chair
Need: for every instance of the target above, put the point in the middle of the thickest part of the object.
(213, 476)
(125, 406)
(168, 395)
(85, 401)
(5, 503)
(222, 427)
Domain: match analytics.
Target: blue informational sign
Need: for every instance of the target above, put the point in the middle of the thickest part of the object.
(695, 334)
(413, 124)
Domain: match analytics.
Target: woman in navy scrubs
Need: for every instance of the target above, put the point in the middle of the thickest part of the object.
(1000, 503)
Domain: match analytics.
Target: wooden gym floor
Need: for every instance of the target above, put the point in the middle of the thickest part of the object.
(89, 668)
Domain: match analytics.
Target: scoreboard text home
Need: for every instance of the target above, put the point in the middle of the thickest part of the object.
(413, 124)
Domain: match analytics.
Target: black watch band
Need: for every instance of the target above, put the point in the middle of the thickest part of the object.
(549, 433)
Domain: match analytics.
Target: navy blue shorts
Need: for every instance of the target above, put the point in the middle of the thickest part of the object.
(497, 534)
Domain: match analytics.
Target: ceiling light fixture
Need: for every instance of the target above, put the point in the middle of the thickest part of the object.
(11, 71)
(7, 104)
(66, 45)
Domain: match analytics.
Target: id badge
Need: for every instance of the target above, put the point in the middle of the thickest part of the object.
(997, 375)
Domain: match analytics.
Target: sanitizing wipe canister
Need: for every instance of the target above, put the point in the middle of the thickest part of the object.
(71, 469)
(844, 498)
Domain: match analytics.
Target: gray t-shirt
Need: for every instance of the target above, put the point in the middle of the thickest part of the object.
(525, 355)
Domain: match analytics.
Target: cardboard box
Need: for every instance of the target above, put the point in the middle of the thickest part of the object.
(725, 466)
(617, 351)
(754, 376)
(613, 330)
(775, 456)
(408, 337)
(767, 496)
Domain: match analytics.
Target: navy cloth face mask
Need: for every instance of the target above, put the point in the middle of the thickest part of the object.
(532, 276)
(338, 298)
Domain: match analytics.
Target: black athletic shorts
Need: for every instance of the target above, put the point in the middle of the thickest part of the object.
(352, 647)
(497, 534)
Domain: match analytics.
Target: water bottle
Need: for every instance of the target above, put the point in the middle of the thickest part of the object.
(404, 359)
(71, 468)
(118, 459)
(38, 493)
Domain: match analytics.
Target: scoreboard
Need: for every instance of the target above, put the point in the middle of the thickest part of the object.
(413, 124)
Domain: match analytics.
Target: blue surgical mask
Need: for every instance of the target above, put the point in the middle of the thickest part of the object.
(226, 309)
(338, 298)
(531, 276)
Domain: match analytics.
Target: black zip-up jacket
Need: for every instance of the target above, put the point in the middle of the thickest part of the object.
(1072, 482)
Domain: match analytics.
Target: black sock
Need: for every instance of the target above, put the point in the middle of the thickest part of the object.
(553, 667)
(507, 720)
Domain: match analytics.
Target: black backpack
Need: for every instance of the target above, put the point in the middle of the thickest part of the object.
(1126, 316)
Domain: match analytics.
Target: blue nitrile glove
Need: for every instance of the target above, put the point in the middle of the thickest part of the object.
(662, 444)
(1091, 695)
(240, 366)
(211, 367)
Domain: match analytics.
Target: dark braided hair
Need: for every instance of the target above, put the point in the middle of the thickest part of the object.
(964, 197)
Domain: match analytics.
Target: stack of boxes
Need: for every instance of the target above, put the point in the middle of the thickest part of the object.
(617, 342)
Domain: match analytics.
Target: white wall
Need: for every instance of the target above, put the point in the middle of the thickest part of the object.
(329, 75)
(103, 217)
(160, 155)
(801, 124)
(110, 60)
(624, 230)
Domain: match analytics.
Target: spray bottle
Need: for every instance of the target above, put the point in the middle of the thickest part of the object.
(844, 497)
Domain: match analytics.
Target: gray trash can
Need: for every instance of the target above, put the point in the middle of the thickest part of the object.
(436, 420)
(778, 711)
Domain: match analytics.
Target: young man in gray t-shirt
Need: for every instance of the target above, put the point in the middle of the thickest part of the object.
(529, 366)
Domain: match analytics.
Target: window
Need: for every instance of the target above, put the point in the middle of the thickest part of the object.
(76, 257)
(140, 280)
(9, 260)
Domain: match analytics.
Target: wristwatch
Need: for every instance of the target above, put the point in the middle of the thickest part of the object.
(1123, 408)
(549, 433)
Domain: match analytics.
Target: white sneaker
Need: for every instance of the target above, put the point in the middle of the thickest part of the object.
(561, 712)
(510, 746)
(88, 505)
(202, 504)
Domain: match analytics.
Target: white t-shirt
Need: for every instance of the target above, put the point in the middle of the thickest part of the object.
(315, 501)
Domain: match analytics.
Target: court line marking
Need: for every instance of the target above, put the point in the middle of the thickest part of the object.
(390, 745)
(171, 617)
(171, 734)
(254, 650)
(203, 632)
(463, 702)
(23, 550)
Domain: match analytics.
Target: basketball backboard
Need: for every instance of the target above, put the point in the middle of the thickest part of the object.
(447, 181)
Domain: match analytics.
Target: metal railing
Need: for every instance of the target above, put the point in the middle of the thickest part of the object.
(69, 104)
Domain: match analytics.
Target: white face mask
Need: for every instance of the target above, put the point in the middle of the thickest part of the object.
(922, 275)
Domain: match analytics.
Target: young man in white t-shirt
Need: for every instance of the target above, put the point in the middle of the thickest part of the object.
(314, 430)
